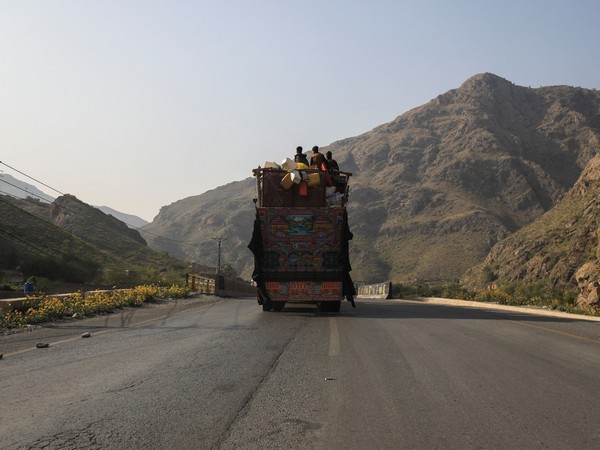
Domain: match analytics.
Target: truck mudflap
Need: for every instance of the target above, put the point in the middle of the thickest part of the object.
(256, 247)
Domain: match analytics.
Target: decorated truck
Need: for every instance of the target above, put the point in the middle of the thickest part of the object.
(301, 239)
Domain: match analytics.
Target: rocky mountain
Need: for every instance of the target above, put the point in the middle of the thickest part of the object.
(99, 229)
(14, 187)
(433, 190)
(560, 249)
(75, 242)
(130, 220)
(187, 228)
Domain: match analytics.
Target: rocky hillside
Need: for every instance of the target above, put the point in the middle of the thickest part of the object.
(101, 230)
(433, 190)
(130, 220)
(186, 229)
(559, 249)
(14, 187)
(73, 241)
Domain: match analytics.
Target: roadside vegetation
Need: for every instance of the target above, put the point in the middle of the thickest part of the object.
(42, 308)
(514, 294)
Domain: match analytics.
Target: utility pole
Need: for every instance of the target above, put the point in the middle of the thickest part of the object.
(218, 239)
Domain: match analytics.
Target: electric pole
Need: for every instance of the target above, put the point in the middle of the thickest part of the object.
(218, 239)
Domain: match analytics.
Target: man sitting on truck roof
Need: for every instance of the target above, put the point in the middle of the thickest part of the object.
(332, 164)
(300, 157)
(317, 159)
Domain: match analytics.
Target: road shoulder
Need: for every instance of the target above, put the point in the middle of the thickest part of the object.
(497, 306)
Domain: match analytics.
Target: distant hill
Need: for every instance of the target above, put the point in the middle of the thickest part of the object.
(128, 219)
(186, 228)
(75, 242)
(14, 187)
(434, 190)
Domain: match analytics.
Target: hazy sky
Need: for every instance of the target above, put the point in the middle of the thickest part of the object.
(138, 104)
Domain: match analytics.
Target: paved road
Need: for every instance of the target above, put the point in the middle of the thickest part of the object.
(222, 374)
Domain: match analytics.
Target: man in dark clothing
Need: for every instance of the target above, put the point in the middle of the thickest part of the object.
(300, 157)
(332, 164)
(317, 159)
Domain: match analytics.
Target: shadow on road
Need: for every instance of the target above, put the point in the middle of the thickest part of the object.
(418, 310)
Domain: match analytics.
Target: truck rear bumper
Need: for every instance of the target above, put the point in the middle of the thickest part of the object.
(305, 291)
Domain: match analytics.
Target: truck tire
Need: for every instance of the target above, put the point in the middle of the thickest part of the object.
(278, 306)
(267, 306)
(329, 306)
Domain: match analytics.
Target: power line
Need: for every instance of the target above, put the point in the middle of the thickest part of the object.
(10, 235)
(47, 222)
(31, 178)
(24, 240)
(31, 194)
(56, 190)
(165, 238)
(52, 226)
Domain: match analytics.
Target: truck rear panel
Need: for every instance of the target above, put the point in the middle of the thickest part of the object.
(300, 241)
(302, 250)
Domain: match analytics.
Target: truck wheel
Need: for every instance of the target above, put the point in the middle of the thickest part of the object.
(278, 306)
(323, 306)
(329, 306)
(267, 306)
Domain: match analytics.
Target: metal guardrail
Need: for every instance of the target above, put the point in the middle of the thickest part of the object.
(379, 290)
(204, 285)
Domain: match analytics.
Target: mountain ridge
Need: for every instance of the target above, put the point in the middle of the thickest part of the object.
(74, 242)
(17, 188)
(435, 188)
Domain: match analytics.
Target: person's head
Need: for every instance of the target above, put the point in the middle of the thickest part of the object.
(328, 154)
(298, 149)
(315, 149)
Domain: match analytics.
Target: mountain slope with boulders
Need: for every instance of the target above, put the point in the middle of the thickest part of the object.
(72, 241)
(560, 249)
(432, 191)
(188, 228)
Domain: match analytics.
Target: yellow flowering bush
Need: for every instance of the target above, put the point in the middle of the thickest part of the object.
(493, 296)
(44, 308)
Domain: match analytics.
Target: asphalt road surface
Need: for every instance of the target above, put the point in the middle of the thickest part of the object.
(214, 373)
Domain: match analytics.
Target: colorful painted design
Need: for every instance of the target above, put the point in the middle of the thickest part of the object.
(300, 224)
(301, 239)
(302, 291)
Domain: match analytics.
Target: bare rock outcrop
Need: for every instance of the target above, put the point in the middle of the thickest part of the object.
(560, 249)
(588, 281)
